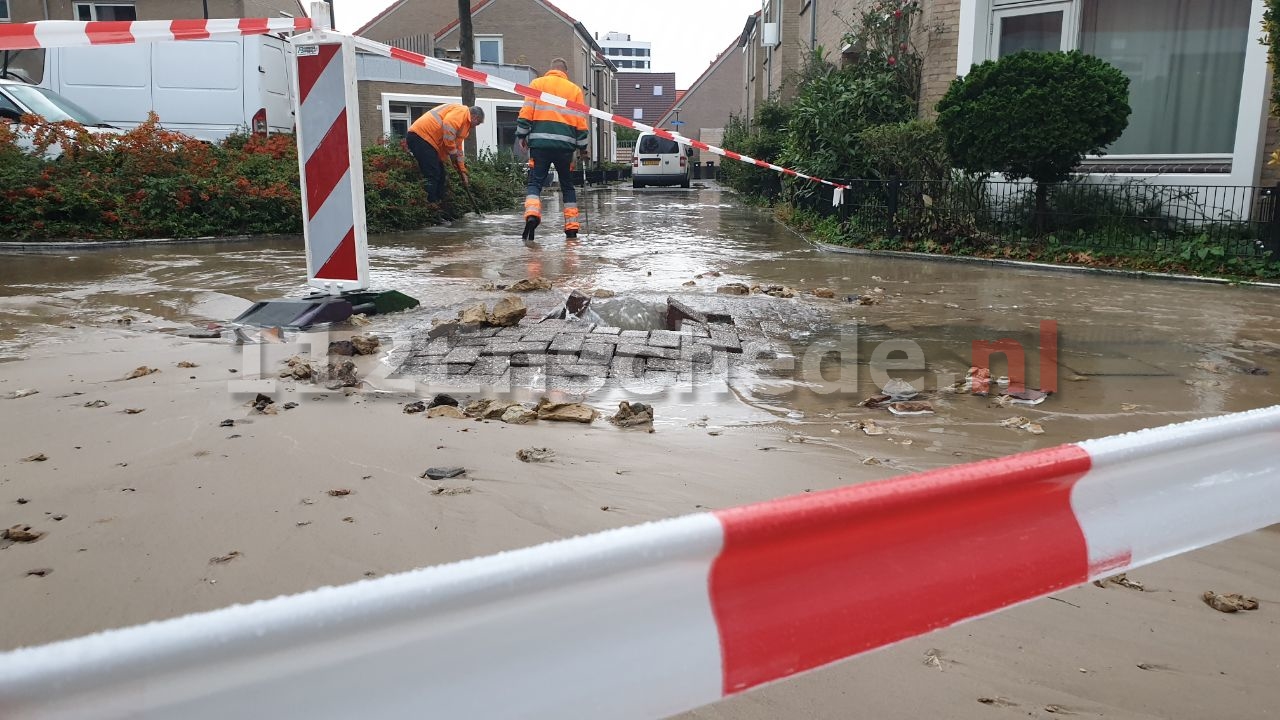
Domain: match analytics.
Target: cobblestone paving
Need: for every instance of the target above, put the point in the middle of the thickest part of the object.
(577, 356)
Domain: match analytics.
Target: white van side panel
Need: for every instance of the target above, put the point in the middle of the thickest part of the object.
(110, 81)
(198, 83)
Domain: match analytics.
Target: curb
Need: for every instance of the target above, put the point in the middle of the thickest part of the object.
(1028, 265)
(56, 246)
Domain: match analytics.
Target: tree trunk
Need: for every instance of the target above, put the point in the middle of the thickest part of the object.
(1042, 208)
(467, 42)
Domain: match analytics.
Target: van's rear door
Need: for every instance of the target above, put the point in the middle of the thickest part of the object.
(273, 86)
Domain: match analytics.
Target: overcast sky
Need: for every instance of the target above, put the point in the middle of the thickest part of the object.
(686, 34)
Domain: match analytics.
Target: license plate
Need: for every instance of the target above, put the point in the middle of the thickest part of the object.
(649, 161)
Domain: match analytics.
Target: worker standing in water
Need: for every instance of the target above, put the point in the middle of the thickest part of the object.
(552, 134)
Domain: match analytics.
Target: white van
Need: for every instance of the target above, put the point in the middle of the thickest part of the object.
(207, 89)
(659, 161)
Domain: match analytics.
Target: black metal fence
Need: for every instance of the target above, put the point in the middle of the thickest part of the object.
(1117, 217)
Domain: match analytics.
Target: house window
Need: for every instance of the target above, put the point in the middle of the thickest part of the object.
(637, 114)
(1185, 63)
(4, 11)
(1184, 60)
(489, 49)
(91, 11)
(403, 115)
(657, 90)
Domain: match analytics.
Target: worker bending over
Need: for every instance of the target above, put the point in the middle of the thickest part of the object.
(438, 136)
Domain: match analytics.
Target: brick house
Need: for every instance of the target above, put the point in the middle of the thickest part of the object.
(524, 35)
(1198, 70)
(705, 108)
(31, 62)
(645, 96)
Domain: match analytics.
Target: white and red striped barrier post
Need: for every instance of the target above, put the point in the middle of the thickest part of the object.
(331, 165)
(645, 622)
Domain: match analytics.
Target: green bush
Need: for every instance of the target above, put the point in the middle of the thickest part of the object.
(1034, 115)
(915, 151)
(763, 139)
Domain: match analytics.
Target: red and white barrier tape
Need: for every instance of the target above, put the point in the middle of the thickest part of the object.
(487, 80)
(644, 622)
(70, 33)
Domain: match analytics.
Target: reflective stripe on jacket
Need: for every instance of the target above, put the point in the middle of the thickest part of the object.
(551, 127)
(446, 127)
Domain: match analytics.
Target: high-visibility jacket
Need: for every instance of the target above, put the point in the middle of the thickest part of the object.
(551, 127)
(446, 127)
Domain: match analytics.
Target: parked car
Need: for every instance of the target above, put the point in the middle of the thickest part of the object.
(659, 161)
(18, 99)
(207, 89)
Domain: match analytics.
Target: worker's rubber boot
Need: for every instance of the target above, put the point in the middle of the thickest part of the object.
(532, 216)
(571, 225)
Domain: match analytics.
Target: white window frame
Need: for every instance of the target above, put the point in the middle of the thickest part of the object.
(93, 8)
(491, 38)
(7, 14)
(977, 44)
(637, 113)
(486, 135)
(657, 91)
(1070, 10)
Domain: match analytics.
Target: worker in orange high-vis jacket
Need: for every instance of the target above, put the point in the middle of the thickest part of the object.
(552, 134)
(438, 136)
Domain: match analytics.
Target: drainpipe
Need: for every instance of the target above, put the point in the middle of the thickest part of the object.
(813, 25)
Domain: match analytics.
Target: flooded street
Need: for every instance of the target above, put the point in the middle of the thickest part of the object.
(1130, 353)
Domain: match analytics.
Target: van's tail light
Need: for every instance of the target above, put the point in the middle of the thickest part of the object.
(684, 161)
(260, 122)
(635, 161)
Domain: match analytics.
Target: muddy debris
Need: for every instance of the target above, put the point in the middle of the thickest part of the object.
(535, 455)
(22, 534)
(997, 701)
(342, 375)
(487, 409)
(734, 289)
(565, 412)
(141, 371)
(875, 402)
(530, 285)
(442, 399)
(187, 365)
(633, 415)
(825, 293)
(519, 415)
(1229, 603)
(97, 404)
(414, 408)
(911, 407)
(689, 283)
(40, 572)
(898, 389)
(1022, 423)
(445, 411)
(264, 404)
(227, 423)
(134, 411)
(1057, 710)
(289, 405)
(224, 559)
(340, 492)
(778, 291)
(603, 294)
(344, 348)
(933, 658)
(709, 273)
(447, 491)
(507, 312)
(366, 344)
(869, 428)
(474, 316)
(18, 394)
(1122, 580)
(23, 501)
(297, 368)
(38, 457)
(978, 381)
(443, 473)
(1026, 397)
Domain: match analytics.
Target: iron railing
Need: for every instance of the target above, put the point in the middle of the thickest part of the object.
(1133, 217)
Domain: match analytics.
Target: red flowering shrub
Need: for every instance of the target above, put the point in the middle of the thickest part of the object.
(151, 182)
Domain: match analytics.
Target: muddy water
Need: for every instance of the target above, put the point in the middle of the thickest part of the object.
(1130, 353)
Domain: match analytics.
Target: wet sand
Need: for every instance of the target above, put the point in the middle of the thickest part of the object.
(135, 506)
(147, 501)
